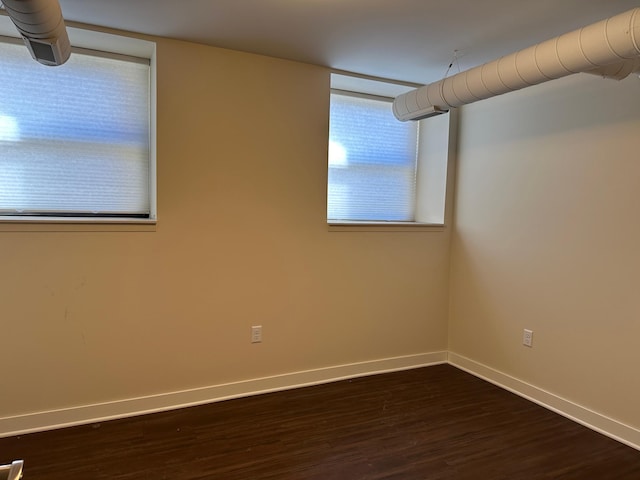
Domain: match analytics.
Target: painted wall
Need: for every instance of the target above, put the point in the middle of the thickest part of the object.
(547, 237)
(90, 317)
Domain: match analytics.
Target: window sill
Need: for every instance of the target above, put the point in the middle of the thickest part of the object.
(70, 224)
(369, 226)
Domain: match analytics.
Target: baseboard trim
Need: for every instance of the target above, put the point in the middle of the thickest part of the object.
(595, 421)
(88, 414)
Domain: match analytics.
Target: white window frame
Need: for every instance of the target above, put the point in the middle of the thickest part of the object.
(436, 150)
(101, 43)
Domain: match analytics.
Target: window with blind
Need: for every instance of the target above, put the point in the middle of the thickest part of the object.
(372, 161)
(74, 139)
(382, 171)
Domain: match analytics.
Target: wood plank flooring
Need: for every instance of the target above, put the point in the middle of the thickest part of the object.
(429, 423)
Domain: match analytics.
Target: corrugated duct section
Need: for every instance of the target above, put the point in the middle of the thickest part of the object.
(610, 48)
(42, 27)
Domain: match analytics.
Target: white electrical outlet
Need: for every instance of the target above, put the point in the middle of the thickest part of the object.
(527, 338)
(256, 334)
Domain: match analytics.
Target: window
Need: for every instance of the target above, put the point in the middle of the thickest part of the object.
(75, 139)
(381, 170)
(372, 161)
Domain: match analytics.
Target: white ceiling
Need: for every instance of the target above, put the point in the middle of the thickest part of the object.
(409, 40)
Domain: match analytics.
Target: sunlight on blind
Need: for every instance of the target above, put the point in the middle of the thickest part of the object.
(74, 139)
(372, 162)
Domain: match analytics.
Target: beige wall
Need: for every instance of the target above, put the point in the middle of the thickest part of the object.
(547, 237)
(91, 317)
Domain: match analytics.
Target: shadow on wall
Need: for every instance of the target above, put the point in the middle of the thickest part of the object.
(557, 106)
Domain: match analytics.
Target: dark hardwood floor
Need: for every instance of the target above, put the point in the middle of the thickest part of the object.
(430, 423)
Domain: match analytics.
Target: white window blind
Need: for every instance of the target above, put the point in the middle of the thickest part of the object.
(74, 139)
(372, 161)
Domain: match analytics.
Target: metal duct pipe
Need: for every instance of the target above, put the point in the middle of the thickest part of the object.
(618, 71)
(42, 28)
(610, 48)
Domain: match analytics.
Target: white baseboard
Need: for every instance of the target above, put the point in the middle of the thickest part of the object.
(600, 423)
(87, 414)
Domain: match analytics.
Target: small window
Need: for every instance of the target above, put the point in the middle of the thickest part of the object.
(381, 170)
(75, 139)
(372, 161)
